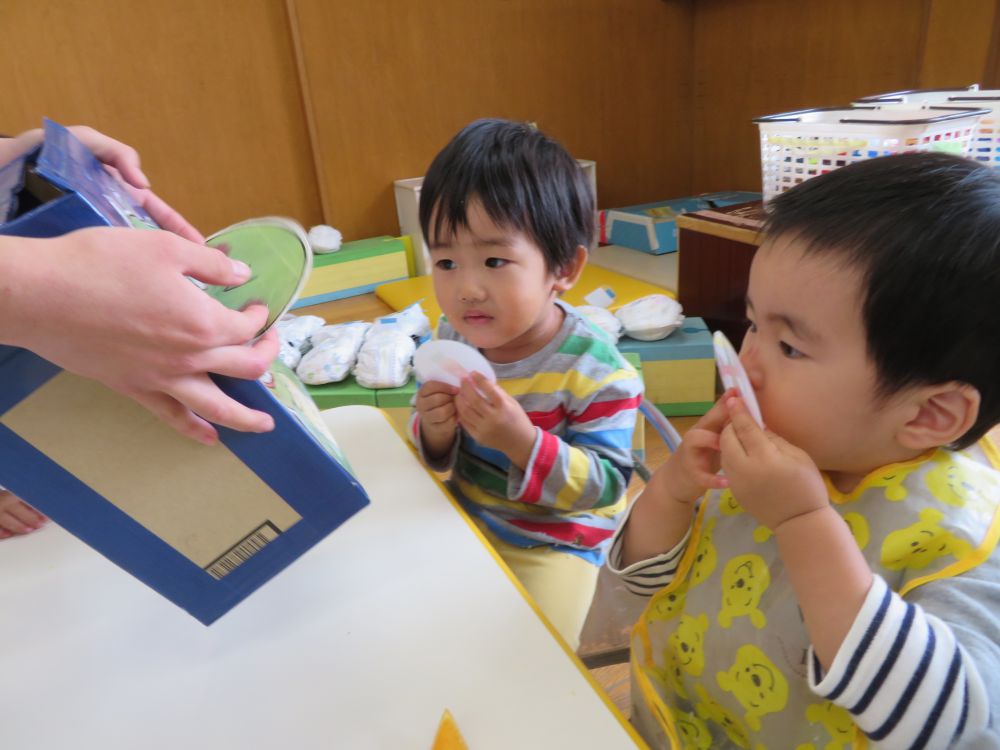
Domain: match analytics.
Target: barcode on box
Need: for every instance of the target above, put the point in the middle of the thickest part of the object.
(243, 550)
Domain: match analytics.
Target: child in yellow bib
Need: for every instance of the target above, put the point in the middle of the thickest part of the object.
(835, 585)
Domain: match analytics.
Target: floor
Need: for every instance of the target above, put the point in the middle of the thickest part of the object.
(604, 641)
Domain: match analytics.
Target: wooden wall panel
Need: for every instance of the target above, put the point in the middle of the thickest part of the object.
(206, 91)
(957, 42)
(758, 57)
(390, 81)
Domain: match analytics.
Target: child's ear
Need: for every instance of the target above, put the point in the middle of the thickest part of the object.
(570, 272)
(944, 413)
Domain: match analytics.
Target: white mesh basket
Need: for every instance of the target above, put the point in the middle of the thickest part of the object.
(795, 146)
(985, 145)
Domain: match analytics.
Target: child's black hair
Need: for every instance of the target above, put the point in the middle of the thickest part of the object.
(524, 180)
(923, 230)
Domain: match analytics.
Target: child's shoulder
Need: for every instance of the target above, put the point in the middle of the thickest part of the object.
(583, 340)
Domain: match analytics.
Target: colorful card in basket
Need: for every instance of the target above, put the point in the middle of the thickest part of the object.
(205, 526)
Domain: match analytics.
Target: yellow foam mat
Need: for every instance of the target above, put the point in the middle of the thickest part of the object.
(401, 294)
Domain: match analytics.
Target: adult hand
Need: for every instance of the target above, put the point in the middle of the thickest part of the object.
(494, 418)
(123, 162)
(115, 305)
(773, 480)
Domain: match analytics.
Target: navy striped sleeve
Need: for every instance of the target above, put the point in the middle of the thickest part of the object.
(903, 676)
(645, 577)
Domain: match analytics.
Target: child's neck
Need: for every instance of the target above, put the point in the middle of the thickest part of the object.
(847, 481)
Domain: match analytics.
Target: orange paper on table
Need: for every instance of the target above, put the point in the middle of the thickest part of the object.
(448, 737)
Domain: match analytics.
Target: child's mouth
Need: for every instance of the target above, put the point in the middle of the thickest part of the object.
(477, 318)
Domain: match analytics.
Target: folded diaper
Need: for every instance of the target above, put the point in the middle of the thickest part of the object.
(296, 329)
(412, 321)
(650, 318)
(334, 352)
(385, 358)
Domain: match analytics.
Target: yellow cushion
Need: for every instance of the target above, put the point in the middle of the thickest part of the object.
(401, 294)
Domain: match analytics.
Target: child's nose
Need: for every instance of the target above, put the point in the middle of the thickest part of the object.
(470, 289)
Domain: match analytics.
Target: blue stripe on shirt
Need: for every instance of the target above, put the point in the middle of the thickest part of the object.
(886, 668)
(904, 702)
(866, 641)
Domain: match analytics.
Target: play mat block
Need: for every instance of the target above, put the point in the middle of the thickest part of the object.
(357, 268)
(401, 294)
(678, 371)
(345, 393)
(395, 402)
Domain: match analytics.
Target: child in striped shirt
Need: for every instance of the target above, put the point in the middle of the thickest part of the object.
(541, 458)
(837, 585)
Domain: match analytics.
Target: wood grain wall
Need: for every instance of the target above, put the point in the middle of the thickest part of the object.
(758, 57)
(311, 108)
(390, 82)
(206, 91)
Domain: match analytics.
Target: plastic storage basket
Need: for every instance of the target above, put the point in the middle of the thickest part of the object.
(985, 145)
(795, 146)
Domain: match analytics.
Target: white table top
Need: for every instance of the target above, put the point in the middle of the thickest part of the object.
(361, 643)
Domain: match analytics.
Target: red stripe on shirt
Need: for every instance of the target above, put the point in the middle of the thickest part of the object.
(572, 533)
(548, 450)
(548, 420)
(607, 409)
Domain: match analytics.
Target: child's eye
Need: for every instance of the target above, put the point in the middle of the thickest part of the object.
(790, 351)
(752, 326)
(496, 262)
(445, 265)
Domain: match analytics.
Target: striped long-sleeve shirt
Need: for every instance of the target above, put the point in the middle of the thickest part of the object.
(919, 672)
(582, 397)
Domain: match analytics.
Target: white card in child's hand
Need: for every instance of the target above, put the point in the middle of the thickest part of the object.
(449, 361)
(733, 375)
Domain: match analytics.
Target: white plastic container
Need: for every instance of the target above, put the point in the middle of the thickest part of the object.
(985, 145)
(795, 146)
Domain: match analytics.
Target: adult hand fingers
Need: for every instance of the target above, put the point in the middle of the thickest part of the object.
(212, 266)
(114, 153)
(175, 414)
(168, 218)
(206, 399)
(240, 361)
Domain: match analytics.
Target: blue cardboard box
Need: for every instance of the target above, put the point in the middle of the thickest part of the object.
(204, 526)
(651, 227)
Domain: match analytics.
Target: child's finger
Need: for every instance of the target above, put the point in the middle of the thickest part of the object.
(702, 440)
(26, 514)
(14, 525)
(716, 417)
(436, 386)
(730, 448)
(747, 431)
